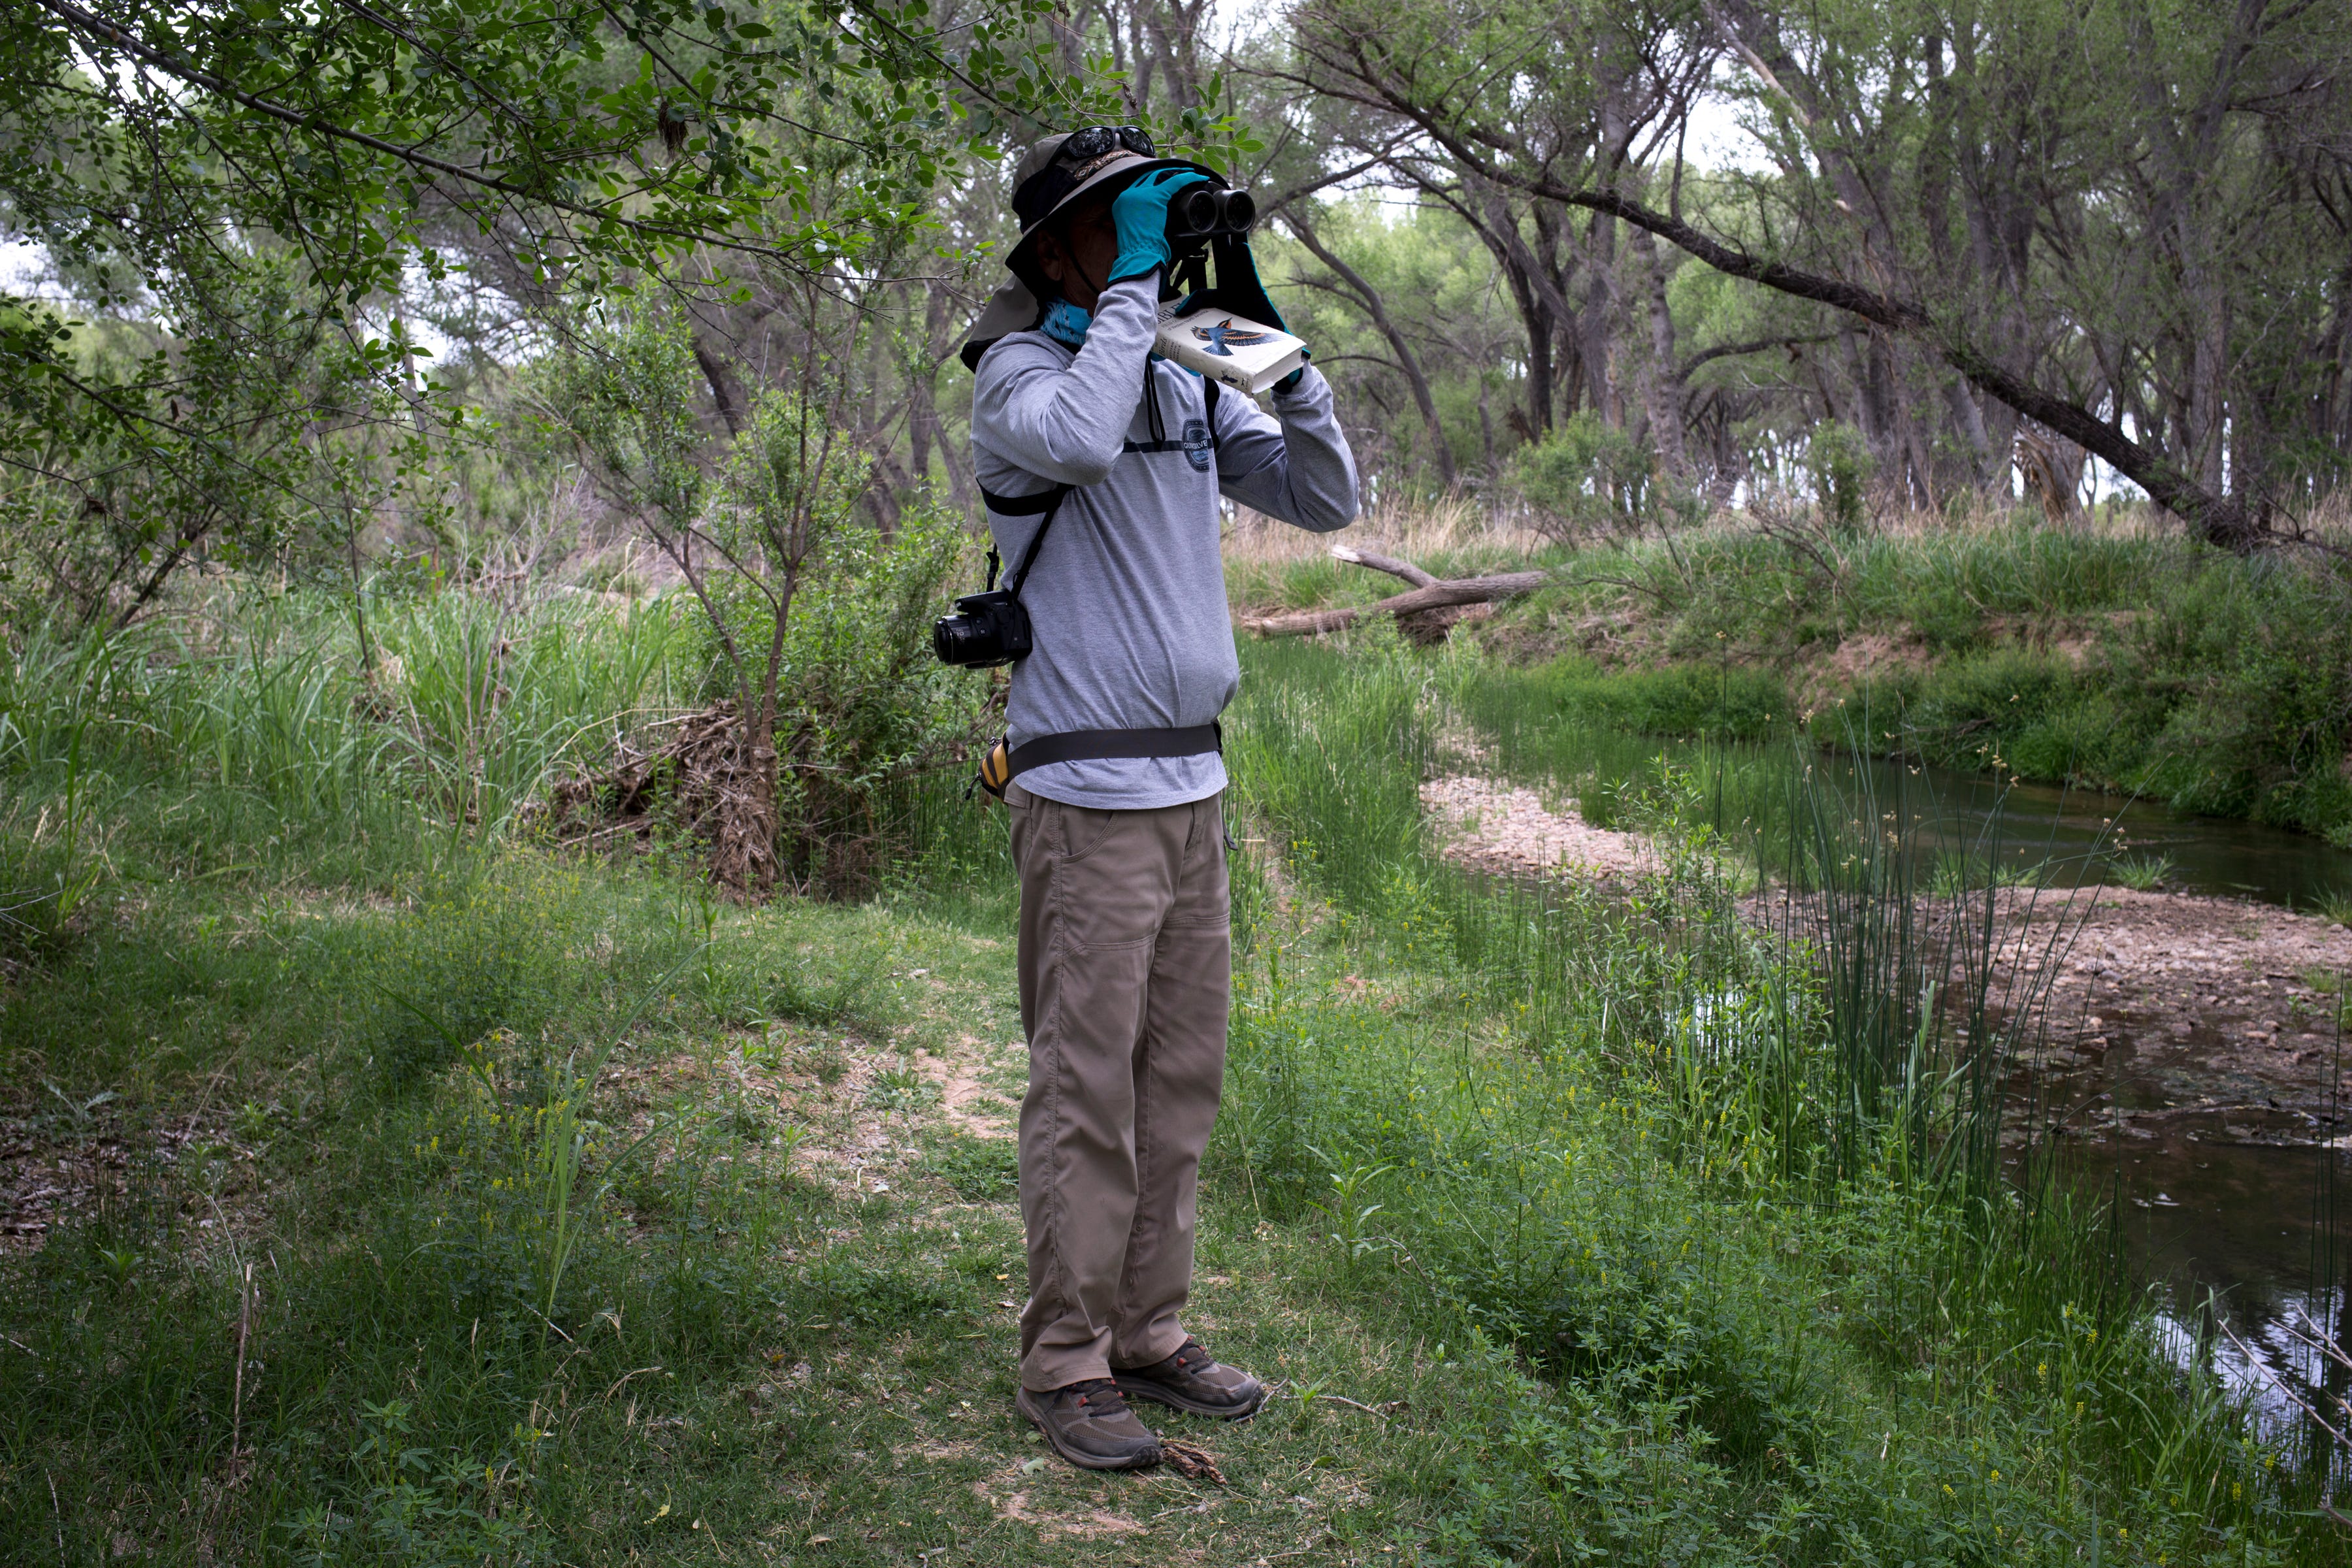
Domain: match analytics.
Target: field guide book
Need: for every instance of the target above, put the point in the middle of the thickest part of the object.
(1247, 355)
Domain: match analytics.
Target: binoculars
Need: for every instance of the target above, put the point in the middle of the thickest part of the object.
(1199, 213)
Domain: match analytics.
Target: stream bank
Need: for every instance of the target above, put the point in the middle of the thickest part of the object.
(2189, 1056)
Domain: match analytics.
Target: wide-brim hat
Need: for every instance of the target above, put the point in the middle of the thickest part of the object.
(1043, 185)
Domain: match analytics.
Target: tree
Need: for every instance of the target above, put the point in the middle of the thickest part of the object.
(1961, 188)
(280, 174)
(1558, 95)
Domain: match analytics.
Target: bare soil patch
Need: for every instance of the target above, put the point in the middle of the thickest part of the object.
(1507, 830)
(59, 1162)
(972, 1104)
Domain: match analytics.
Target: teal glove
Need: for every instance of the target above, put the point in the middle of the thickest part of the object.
(1238, 287)
(1141, 212)
(1243, 292)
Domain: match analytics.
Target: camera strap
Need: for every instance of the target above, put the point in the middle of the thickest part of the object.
(1047, 501)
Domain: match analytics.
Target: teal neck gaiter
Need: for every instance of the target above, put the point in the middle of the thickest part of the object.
(1066, 324)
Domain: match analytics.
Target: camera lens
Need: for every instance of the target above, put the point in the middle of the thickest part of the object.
(1240, 211)
(955, 639)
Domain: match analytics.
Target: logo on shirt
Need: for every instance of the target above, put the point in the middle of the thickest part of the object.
(1196, 445)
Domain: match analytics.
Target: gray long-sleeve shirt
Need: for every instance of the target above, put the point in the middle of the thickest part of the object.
(1127, 596)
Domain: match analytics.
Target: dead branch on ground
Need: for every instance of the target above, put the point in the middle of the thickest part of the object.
(1424, 613)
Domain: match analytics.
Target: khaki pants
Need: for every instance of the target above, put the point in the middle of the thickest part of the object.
(1126, 967)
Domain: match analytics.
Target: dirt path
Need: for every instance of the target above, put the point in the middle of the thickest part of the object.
(2171, 1002)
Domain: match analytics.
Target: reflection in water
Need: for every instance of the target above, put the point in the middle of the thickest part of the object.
(2240, 1231)
(2078, 831)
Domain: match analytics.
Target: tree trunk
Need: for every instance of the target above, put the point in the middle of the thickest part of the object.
(1663, 384)
(1407, 361)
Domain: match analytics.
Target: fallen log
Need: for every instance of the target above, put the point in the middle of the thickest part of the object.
(1421, 610)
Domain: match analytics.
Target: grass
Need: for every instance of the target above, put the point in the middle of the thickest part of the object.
(2113, 655)
(1624, 1147)
(434, 1197)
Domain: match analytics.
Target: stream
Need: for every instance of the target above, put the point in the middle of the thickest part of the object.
(2075, 832)
(2221, 1152)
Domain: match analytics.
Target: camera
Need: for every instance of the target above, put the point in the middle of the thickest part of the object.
(1203, 212)
(987, 629)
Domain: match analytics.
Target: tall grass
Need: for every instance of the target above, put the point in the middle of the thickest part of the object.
(1734, 1177)
(474, 708)
(494, 701)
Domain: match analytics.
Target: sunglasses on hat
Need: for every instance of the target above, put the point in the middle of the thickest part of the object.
(1084, 146)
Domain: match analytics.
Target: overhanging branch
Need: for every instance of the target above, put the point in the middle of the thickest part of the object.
(99, 30)
(1360, 76)
(2220, 520)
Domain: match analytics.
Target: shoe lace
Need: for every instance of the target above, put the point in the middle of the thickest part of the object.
(1097, 1395)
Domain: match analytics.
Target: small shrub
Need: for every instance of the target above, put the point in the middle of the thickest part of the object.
(1590, 478)
(901, 1089)
(1840, 462)
(2142, 873)
(496, 954)
(864, 705)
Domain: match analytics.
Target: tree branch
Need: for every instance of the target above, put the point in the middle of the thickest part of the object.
(105, 32)
(1367, 300)
(1390, 565)
(1758, 345)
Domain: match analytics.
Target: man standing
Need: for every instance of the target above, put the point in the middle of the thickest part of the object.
(1117, 805)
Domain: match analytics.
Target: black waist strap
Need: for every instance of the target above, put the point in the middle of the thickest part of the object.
(1090, 745)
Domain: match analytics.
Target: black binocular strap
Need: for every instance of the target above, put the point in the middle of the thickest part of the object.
(1091, 745)
(1050, 502)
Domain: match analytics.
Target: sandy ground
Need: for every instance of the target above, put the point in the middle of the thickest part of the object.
(1507, 830)
(2170, 1003)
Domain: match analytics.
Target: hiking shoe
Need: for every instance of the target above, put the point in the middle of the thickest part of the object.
(1193, 1380)
(1089, 1425)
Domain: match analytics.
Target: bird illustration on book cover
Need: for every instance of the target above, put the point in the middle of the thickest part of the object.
(1225, 337)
